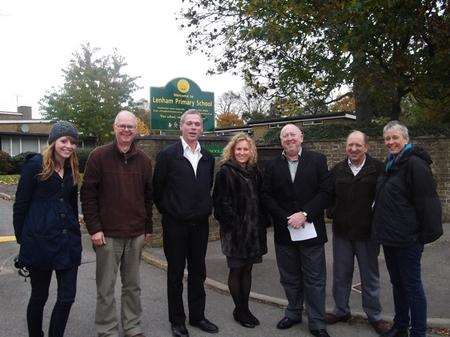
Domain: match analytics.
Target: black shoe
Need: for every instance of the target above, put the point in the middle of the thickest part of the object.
(333, 319)
(287, 323)
(243, 320)
(319, 333)
(205, 325)
(394, 332)
(179, 330)
(252, 318)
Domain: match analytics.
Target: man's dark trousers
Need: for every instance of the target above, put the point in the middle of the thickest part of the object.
(185, 241)
(303, 277)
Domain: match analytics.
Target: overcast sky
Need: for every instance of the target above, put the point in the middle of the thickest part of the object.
(38, 38)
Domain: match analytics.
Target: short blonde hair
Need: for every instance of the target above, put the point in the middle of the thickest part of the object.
(228, 151)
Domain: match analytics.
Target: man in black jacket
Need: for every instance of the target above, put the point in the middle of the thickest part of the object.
(355, 180)
(296, 190)
(182, 184)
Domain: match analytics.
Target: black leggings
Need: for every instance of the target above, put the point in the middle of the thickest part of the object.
(240, 283)
(40, 282)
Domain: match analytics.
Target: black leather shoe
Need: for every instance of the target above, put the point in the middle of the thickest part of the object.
(179, 330)
(245, 321)
(394, 332)
(319, 333)
(333, 319)
(287, 323)
(252, 317)
(205, 325)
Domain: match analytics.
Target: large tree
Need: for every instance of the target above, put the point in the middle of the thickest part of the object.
(376, 51)
(95, 89)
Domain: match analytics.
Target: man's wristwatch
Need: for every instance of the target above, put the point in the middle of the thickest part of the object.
(305, 214)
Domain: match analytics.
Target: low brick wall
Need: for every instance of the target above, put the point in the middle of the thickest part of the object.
(438, 148)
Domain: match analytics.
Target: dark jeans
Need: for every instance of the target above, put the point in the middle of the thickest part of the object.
(403, 264)
(40, 282)
(185, 242)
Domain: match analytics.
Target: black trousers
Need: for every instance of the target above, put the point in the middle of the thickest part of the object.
(185, 242)
(40, 282)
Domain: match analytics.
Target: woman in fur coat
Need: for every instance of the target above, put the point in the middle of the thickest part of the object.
(242, 228)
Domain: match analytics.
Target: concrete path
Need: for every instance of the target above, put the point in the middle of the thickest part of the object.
(435, 273)
(14, 294)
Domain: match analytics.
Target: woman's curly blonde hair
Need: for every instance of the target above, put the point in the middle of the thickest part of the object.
(49, 164)
(228, 151)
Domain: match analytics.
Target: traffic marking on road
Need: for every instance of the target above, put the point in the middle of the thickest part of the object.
(7, 238)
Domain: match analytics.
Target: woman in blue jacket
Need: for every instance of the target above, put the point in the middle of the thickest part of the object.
(407, 216)
(46, 226)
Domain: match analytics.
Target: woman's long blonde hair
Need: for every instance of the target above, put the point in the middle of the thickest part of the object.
(49, 164)
(228, 151)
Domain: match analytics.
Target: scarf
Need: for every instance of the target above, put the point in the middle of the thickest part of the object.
(393, 159)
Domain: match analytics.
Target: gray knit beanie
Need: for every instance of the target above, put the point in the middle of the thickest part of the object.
(61, 129)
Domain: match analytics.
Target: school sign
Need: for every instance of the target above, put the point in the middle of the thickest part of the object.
(168, 103)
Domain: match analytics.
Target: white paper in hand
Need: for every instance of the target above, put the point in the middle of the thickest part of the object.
(303, 233)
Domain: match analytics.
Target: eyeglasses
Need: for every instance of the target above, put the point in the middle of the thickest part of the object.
(126, 127)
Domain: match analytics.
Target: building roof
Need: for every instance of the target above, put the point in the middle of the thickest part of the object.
(303, 118)
(26, 121)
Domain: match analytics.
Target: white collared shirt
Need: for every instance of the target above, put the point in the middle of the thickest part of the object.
(355, 169)
(192, 156)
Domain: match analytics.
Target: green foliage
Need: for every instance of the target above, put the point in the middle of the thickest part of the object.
(95, 89)
(6, 163)
(83, 155)
(341, 131)
(9, 179)
(19, 160)
(306, 50)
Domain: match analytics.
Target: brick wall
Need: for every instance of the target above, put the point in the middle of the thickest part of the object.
(438, 148)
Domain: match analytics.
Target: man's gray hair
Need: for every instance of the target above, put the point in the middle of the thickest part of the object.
(125, 112)
(190, 112)
(396, 125)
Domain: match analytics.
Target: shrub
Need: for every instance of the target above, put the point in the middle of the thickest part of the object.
(19, 160)
(340, 131)
(6, 163)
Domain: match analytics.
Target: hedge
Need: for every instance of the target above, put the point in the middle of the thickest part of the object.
(13, 165)
(338, 131)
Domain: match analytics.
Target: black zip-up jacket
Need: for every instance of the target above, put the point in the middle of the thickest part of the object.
(407, 207)
(178, 192)
(353, 198)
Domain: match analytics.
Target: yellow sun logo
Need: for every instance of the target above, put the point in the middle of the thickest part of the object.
(183, 86)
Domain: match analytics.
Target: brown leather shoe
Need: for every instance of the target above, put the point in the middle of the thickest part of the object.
(380, 326)
(333, 319)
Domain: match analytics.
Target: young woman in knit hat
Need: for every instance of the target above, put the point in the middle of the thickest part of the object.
(45, 218)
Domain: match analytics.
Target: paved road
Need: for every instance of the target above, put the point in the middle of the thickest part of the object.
(6, 217)
(435, 274)
(14, 295)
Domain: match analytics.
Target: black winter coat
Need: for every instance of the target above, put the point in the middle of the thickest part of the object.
(45, 218)
(407, 207)
(237, 208)
(353, 198)
(310, 192)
